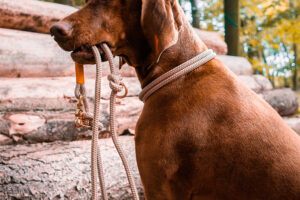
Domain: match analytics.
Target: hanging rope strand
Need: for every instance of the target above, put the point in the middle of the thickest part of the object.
(116, 86)
(96, 155)
(87, 120)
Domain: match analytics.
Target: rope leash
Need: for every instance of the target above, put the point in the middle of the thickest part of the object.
(87, 120)
(176, 72)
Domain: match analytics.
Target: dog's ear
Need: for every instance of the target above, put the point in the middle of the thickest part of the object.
(161, 22)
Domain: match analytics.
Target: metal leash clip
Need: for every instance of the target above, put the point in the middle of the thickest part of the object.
(78, 113)
(83, 119)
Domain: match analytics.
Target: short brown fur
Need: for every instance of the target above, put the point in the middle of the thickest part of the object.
(205, 135)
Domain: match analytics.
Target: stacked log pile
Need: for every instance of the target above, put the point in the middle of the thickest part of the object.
(42, 110)
(37, 105)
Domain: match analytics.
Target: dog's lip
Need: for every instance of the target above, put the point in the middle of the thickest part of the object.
(84, 54)
(86, 49)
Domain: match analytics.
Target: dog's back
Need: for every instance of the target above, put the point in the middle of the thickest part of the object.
(222, 142)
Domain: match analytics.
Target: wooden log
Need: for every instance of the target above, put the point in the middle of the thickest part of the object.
(61, 170)
(38, 55)
(26, 54)
(31, 15)
(42, 109)
(38, 16)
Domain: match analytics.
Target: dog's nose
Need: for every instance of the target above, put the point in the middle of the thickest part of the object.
(61, 30)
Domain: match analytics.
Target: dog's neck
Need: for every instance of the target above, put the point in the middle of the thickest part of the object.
(187, 47)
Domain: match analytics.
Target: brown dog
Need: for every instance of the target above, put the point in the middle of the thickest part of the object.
(203, 136)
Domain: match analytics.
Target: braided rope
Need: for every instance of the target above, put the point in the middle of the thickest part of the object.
(176, 72)
(80, 92)
(115, 85)
(96, 155)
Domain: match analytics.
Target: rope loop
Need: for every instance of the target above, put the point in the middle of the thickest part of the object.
(115, 82)
(77, 91)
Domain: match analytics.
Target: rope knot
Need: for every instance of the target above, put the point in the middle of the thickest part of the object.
(115, 82)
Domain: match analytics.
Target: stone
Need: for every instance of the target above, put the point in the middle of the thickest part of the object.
(239, 65)
(61, 170)
(284, 101)
(265, 84)
(293, 123)
(257, 83)
(250, 82)
(31, 15)
(213, 40)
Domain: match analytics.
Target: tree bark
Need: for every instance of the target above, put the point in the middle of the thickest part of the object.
(66, 2)
(295, 74)
(232, 26)
(42, 109)
(34, 16)
(62, 170)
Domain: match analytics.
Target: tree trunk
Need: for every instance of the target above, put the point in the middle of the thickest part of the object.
(295, 49)
(232, 26)
(62, 170)
(195, 14)
(66, 2)
(295, 75)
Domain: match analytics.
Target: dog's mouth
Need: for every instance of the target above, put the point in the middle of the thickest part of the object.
(84, 54)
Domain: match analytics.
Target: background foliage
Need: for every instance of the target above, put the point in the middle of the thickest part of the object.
(269, 35)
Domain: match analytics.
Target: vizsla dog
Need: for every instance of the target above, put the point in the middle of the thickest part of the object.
(203, 136)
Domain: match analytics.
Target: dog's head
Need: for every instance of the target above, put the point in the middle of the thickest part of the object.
(134, 29)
